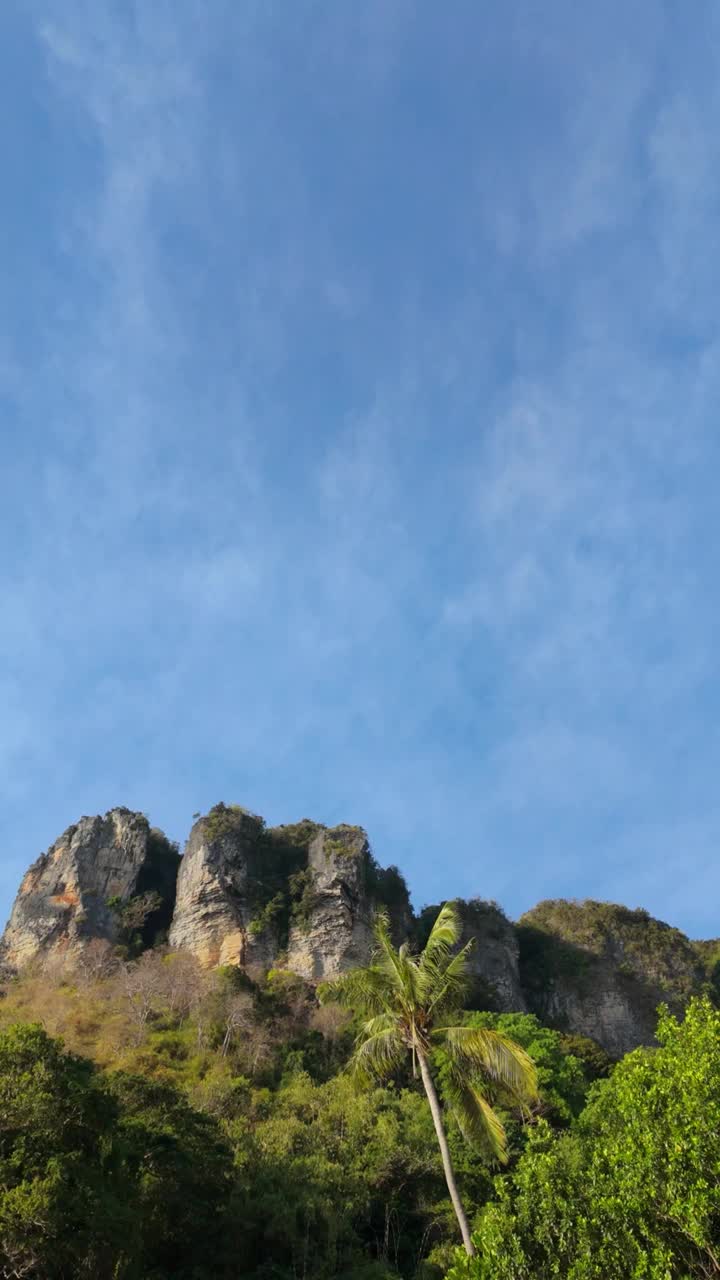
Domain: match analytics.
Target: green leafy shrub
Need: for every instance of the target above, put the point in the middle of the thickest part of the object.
(134, 919)
(268, 917)
(634, 1190)
(303, 897)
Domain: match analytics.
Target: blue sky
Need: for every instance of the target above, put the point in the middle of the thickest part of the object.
(359, 369)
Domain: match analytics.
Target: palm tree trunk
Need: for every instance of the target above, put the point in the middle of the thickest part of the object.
(445, 1153)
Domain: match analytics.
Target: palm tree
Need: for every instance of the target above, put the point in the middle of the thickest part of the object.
(409, 1001)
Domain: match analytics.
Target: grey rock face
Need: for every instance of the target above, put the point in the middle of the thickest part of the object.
(494, 959)
(301, 895)
(601, 970)
(608, 1015)
(62, 903)
(215, 915)
(332, 929)
(495, 956)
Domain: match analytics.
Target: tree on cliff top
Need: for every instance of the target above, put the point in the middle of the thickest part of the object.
(410, 1001)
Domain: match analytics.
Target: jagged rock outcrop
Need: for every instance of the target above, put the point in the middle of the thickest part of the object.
(300, 895)
(331, 927)
(495, 956)
(82, 888)
(224, 889)
(494, 959)
(601, 970)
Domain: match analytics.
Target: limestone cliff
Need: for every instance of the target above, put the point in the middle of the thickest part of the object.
(331, 926)
(86, 885)
(300, 895)
(495, 955)
(232, 890)
(601, 970)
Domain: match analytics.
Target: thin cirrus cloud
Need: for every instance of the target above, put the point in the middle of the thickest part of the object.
(362, 369)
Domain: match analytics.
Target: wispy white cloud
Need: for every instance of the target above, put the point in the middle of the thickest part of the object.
(377, 466)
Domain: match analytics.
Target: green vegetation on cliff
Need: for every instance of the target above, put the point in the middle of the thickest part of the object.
(633, 1189)
(195, 1124)
(589, 947)
(162, 1119)
(281, 886)
(305, 1171)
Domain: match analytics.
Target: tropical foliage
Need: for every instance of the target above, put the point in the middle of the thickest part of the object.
(634, 1189)
(197, 1125)
(411, 1002)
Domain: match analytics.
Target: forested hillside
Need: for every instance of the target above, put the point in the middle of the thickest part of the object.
(158, 1120)
(302, 898)
(164, 1112)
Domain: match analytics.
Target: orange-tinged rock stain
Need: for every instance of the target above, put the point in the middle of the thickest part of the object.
(66, 899)
(228, 950)
(30, 882)
(232, 948)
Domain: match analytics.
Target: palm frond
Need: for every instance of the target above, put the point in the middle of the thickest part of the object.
(479, 1124)
(490, 1053)
(378, 1054)
(444, 935)
(399, 966)
(361, 990)
(374, 1026)
(446, 982)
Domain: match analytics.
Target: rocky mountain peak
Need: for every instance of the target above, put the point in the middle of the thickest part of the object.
(302, 897)
(224, 887)
(80, 889)
(331, 925)
(601, 970)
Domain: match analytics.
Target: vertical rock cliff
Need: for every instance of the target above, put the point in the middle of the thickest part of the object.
(331, 925)
(83, 887)
(300, 895)
(495, 955)
(231, 890)
(601, 970)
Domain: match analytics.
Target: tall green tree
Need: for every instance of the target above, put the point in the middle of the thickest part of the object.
(410, 1003)
(178, 1174)
(62, 1210)
(633, 1190)
(113, 1177)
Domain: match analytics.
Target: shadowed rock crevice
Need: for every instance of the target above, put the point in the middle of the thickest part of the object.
(158, 880)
